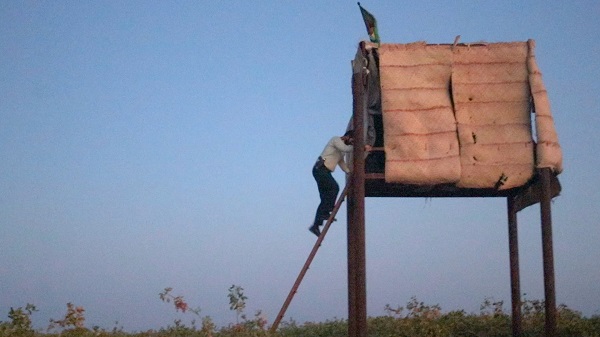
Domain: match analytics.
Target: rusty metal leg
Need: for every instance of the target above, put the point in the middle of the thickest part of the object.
(357, 287)
(358, 309)
(548, 255)
(351, 269)
(515, 284)
(357, 313)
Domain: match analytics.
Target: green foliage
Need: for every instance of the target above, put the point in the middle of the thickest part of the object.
(208, 326)
(329, 328)
(237, 300)
(20, 322)
(415, 319)
(74, 319)
(256, 327)
(178, 301)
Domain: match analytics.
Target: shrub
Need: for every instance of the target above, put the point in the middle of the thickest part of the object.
(20, 324)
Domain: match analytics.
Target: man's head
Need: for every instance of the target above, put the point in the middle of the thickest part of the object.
(348, 137)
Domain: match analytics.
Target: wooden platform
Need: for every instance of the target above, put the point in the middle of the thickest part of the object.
(376, 186)
(524, 196)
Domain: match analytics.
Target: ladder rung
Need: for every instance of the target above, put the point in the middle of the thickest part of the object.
(374, 176)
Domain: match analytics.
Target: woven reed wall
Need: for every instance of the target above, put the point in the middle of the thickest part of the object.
(420, 137)
(461, 115)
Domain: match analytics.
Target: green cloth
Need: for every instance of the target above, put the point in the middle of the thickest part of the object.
(370, 24)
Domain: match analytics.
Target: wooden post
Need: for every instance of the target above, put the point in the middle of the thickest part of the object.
(515, 284)
(357, 295)
(548, 255)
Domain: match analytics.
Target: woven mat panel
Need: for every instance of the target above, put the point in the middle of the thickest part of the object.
(549, 153)
(462, 115)
(485, 136)
(490, 88)
(420, 136)
(492, 53)
(487, 114)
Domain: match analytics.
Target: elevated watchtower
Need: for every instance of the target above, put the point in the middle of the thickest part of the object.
(452, 120)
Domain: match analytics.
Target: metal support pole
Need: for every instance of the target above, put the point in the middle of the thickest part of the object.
(357, 294)
(548, 255)
(515, 284)
(352, 322)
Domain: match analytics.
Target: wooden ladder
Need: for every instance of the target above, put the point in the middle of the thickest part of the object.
(309, 260)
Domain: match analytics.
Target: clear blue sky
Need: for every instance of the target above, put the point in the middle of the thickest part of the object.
(146, 145)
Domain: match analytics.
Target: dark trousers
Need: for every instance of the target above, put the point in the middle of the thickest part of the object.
(328, 190)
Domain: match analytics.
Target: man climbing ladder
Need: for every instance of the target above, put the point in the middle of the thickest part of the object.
(327, 210)
(332, 156)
